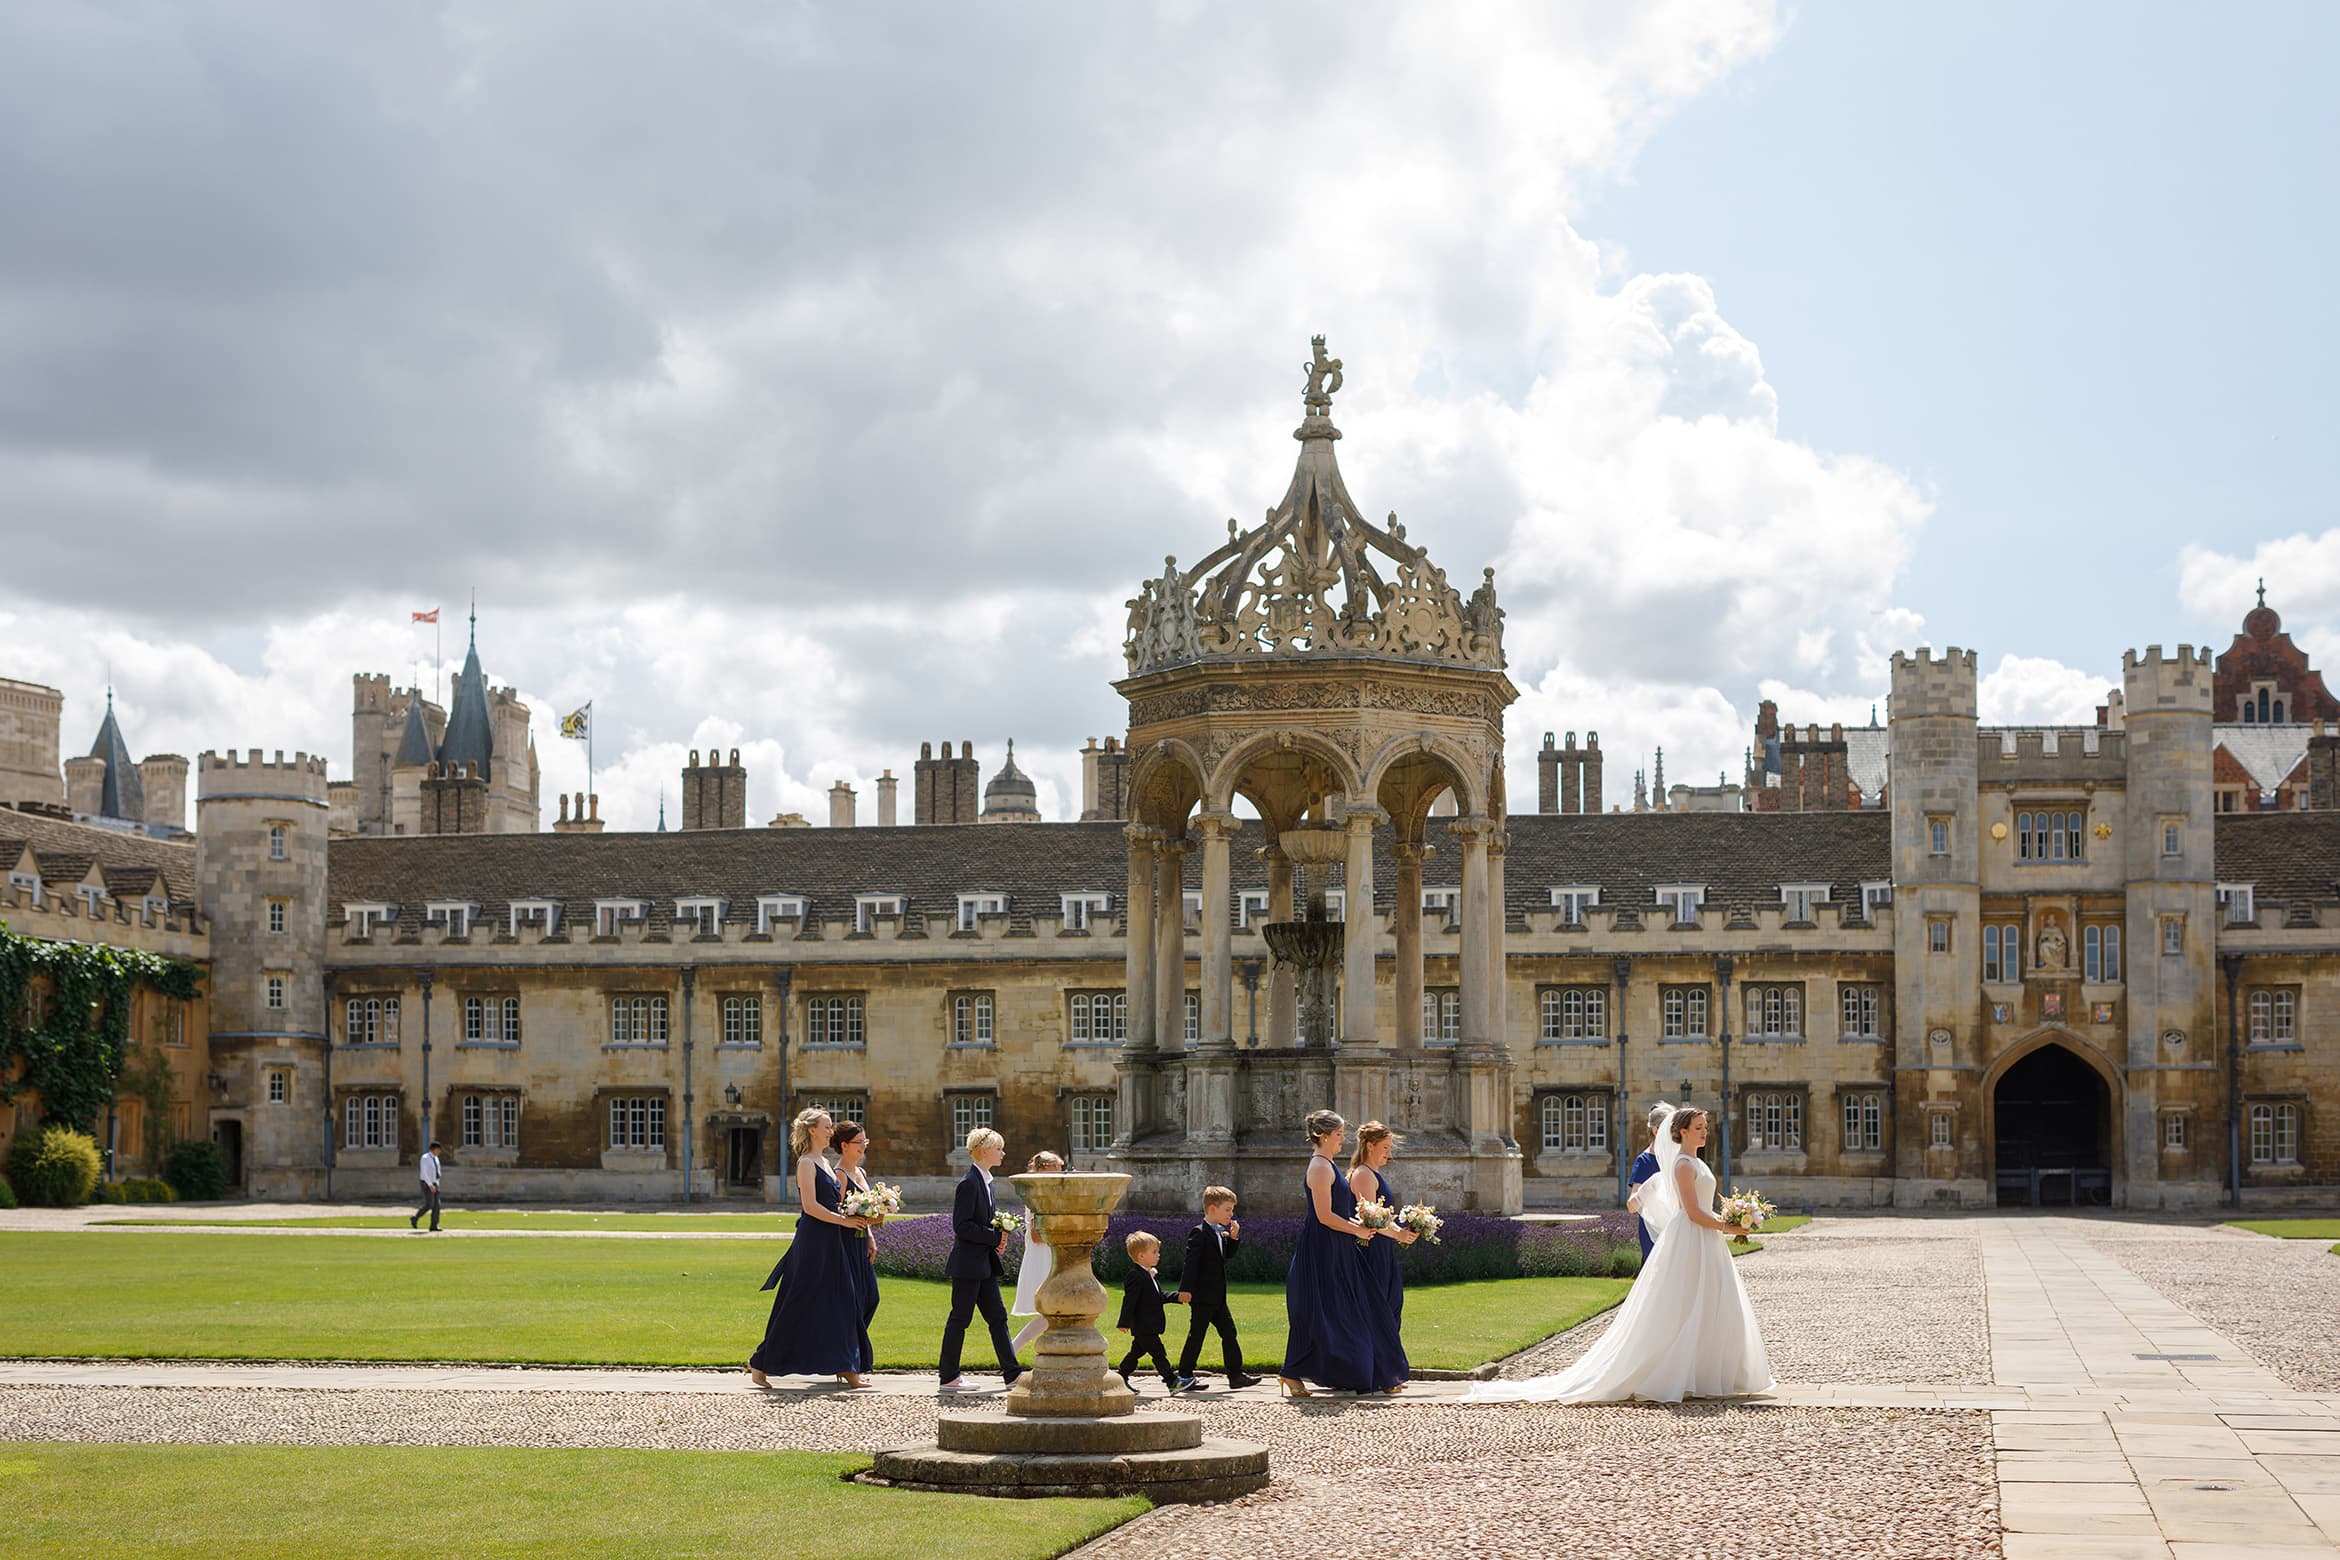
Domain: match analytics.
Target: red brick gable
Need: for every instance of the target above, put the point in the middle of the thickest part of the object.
(2262, 651)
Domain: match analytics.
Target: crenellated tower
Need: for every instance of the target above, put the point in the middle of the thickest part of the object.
(260, 865)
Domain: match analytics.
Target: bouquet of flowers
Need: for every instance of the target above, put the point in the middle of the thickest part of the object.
(1748, 1210)
(1422, 1219)
(1006, 1223)
(1374, 1215)
(875, 1201)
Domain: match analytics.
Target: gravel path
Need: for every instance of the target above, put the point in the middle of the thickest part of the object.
(2280, 1299)
(1521, 1479)
(1848, 1309)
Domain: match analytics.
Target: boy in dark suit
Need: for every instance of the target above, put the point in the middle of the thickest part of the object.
(1202, 1286)
(973, 1267)
(1645, 1167)
(1144, 1314)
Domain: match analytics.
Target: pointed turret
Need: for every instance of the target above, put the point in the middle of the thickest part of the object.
(471, 737)
(122, 795)
(414, 744)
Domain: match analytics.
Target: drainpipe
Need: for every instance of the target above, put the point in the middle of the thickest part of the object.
(332, 985)
(427, 980)
(690, 981)
(2233, 964)
(1722, 970)
(1622, 967)
(782, 979)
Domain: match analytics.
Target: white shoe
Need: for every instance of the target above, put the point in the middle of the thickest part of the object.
(955, 1384)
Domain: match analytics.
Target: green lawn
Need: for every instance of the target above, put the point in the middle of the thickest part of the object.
(778, 1222)
(1780, 1224)
(2292, 1229)
(668, 1302)
(76, 1501)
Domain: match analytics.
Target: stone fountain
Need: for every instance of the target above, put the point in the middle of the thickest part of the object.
(1311, 946)
(1070, 1426)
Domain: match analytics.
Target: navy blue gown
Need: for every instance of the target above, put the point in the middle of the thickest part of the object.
(1331, 1336)
(865, 1274)
(817, 1326)
(1385, 1287)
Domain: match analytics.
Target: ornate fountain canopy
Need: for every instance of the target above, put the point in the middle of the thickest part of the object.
(1315, 578)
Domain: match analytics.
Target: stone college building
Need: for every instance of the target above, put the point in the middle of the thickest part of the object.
(1924, 963)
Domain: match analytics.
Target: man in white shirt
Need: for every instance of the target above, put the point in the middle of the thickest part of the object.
(430, 1188)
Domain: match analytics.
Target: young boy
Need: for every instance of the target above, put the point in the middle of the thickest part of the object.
(973, 1266)
(1143, 1315)
(1202, 1286)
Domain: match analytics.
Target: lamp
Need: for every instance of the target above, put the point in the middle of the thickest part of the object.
(218, 1084)
(731, 1095)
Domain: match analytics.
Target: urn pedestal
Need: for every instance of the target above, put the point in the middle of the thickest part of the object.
(1069, 1426)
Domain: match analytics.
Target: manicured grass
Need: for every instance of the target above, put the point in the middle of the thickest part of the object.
(777, 1222)
(2292, 1229)
(1781, 1223)
(61, 1500)
(553, 1301)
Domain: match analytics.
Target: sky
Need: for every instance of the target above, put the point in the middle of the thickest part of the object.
(818, 381)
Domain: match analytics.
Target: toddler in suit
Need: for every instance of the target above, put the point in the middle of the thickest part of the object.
(1144, 1313)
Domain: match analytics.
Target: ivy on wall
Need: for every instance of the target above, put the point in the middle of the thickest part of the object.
(72, 1054)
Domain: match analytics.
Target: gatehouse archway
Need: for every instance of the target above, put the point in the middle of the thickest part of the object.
(2052, 1131)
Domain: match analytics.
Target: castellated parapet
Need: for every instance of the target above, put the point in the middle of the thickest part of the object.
(1924, 685)
(2151, 683)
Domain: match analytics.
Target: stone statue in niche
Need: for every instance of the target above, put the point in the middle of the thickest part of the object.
(2052, 947)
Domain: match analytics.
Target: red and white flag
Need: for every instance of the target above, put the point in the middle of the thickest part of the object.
(431, 616)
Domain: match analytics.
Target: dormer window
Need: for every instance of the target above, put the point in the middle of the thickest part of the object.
(1081, 909)
(1444, 903)
(1336, 904)
(1573, 901)
(2235, 902)
(158, 908)
(610, 914)
(363, 918)
(702, 916)
(454, 914)
(535, 912)
(93, 898)
(1799, 898)
(778, 907)
(973, 907)
(27, 884)
(1252, 907)
(868, 907)
(1681, 902)
(1874, 897)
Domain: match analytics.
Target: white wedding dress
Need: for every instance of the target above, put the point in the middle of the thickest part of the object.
(1685, 1329)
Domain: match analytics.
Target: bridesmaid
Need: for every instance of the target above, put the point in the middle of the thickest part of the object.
(1038, 1259)
(816, 1317)
(1385, 1286)
(852, 1145)
(1331, 1335)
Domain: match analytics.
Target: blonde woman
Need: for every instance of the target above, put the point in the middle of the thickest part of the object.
(1330, 1337)
(816, 1323)
(1037, 1263)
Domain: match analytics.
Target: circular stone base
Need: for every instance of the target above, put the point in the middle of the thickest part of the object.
(1162, 1456)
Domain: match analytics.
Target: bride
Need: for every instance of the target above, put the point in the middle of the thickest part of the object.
(1686, 1329)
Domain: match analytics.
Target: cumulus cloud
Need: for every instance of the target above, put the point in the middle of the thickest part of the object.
(2302, 574)
(818, 381)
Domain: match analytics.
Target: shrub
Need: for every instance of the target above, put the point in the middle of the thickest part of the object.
(135, 1189)
(196, 1169)
(53, 1166)
(7, 1196)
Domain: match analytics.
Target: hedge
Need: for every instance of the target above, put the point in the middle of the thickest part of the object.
(53, 1166)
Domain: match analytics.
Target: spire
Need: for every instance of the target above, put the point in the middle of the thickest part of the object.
(123, 795)
(414, 744)
(1658, 782)
(470, 737)
(662, 809)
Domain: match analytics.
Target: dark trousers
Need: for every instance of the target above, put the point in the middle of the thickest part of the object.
(1204, 1315)
(1149, 1344)
(430, 1205)
(969, 1295)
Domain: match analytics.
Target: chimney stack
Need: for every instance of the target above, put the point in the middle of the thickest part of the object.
(887, 785)
(840, 806)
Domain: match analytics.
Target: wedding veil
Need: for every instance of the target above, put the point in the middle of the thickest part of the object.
(1661, 1200)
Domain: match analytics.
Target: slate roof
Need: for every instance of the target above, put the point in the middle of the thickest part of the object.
(2268, 754)
(2290, 859)
(470, 737)
(129, 862)
(414, 744)
(1741, 858)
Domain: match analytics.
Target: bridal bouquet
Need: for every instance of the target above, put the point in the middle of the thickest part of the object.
(1422, 1219)
(1748, 1210)
(1374, 1215)
(1006, 1223)
(875, 1201)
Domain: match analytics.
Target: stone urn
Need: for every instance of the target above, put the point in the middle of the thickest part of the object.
(1069, 1425)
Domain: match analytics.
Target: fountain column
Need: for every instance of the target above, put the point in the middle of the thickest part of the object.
(1134, 1095)
(1359, 1020)
(1218, 939)
(1476, 1012)
(1283, 996)
(1409, 856)
(1170, 944)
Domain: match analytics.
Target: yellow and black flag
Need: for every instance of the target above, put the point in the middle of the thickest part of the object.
(577, 725)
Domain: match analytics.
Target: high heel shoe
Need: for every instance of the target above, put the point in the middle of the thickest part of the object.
(1293, 1388)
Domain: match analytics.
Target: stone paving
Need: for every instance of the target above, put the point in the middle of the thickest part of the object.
(1952, 1386)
